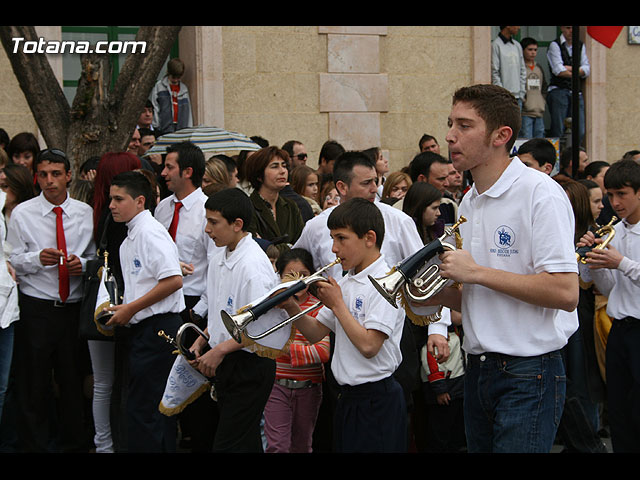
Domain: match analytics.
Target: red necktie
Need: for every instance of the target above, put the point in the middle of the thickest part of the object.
(63, 273)
(174, 223)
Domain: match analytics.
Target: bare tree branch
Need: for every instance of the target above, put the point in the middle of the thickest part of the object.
(39, 85)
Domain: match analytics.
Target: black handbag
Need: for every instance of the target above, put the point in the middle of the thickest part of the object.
(91, 283)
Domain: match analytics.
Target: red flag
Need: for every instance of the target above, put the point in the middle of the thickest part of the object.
(605, 35)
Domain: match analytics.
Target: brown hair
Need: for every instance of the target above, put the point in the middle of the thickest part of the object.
(255, 165)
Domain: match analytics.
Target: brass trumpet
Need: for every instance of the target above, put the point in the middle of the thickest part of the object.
(237, 324)
(410, 274)
(608, 230)
(178, 342)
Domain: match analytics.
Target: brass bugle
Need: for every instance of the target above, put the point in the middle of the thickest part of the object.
(608, 230)
(402, 274)
(237, 324)
(178, 342)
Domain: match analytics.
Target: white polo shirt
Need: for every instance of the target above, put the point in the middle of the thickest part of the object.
(192, 241)
(401, 239)
(148, 255)
(372, 311)
(236, 279)
(622, 285)
(523, 224)
(32, 227)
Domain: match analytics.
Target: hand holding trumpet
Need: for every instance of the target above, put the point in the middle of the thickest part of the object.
(597, 258)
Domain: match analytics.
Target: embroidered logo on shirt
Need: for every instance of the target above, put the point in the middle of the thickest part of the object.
(504, 239)
(137, 266)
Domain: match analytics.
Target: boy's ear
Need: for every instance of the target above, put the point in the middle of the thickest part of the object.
(370, 238)
(140, 201)
(501, 135)
(238, 225)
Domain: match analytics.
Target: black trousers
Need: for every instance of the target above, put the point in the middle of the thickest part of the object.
(150, 361)
(46, 343)
(243, 384)
(371, 418)
(623, 385)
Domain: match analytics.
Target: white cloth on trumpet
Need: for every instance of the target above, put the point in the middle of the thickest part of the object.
(184, 385)
(236, 279)
(103, 300)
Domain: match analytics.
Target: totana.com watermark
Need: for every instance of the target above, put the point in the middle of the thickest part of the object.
(76, 46)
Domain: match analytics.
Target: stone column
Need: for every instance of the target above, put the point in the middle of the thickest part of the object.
(353, 91)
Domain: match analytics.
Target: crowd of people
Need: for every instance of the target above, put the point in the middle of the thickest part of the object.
(522, 332)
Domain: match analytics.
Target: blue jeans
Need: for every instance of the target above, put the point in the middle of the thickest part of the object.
(559, 103)
(513, 404)
(532, 127)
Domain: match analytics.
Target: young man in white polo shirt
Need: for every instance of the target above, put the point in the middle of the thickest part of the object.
(239, 274)
(153, 300)
(616, 272)
(183, 214)
(519, 277)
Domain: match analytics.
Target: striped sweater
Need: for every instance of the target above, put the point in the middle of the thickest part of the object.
(304, 361)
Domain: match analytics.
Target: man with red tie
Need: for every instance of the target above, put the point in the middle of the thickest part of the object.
(51, 240)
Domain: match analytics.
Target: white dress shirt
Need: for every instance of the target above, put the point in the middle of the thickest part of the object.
(148, 255)
(192, 241)
(556, 65)
(32, 228)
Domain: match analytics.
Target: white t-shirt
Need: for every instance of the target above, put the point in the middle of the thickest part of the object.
(523, 224)
(148, 255)
(372, 311)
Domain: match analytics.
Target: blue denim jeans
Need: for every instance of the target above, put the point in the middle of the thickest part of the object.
(532, 127)
(559, 102)
(6, 354)
(513, 404)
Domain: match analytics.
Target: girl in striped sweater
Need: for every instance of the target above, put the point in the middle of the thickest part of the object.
(292, 409)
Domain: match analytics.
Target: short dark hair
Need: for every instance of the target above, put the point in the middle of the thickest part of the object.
(421, 164)
(425, 138)
(541, 149)
(135, 184)
(288, 146)
(359, 215)
(566, 156)
(526, 41)
(293, 254)
(232, 203)
(145, 132)
(189, 155)
(175, 67)
(52, 155)
(345, 163)
(495, 105)
(623, 173)
(594, 168)
(330, 150)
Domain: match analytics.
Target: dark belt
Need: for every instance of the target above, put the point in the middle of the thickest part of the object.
(294, 384)
(628, 320)
(51, 303)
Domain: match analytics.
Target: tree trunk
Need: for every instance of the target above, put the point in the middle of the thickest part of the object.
(102, 118)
